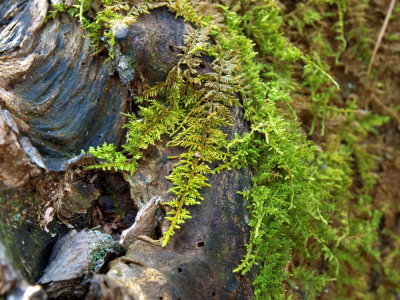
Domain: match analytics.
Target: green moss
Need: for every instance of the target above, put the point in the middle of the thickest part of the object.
(302, 204)
(312, 226)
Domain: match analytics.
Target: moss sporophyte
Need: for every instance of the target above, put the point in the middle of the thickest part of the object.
(300, 190)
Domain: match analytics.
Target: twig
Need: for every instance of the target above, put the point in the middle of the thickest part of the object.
(380, 36)
(385, 110)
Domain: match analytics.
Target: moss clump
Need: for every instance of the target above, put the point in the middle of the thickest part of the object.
(312, 224)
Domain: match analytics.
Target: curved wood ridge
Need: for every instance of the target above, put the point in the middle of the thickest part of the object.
(62, 97)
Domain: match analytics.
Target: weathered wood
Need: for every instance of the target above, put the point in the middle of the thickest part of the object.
(73, 257)
(198, 261)
(61, 97)
(145, 223)
(62, 100)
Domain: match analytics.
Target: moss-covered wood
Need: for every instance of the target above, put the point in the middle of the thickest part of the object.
(310, 119)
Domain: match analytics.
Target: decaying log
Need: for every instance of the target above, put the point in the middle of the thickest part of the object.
(198, 262)
(62, 99)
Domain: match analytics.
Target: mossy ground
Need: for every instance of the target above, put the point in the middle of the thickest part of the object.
(371, 273)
